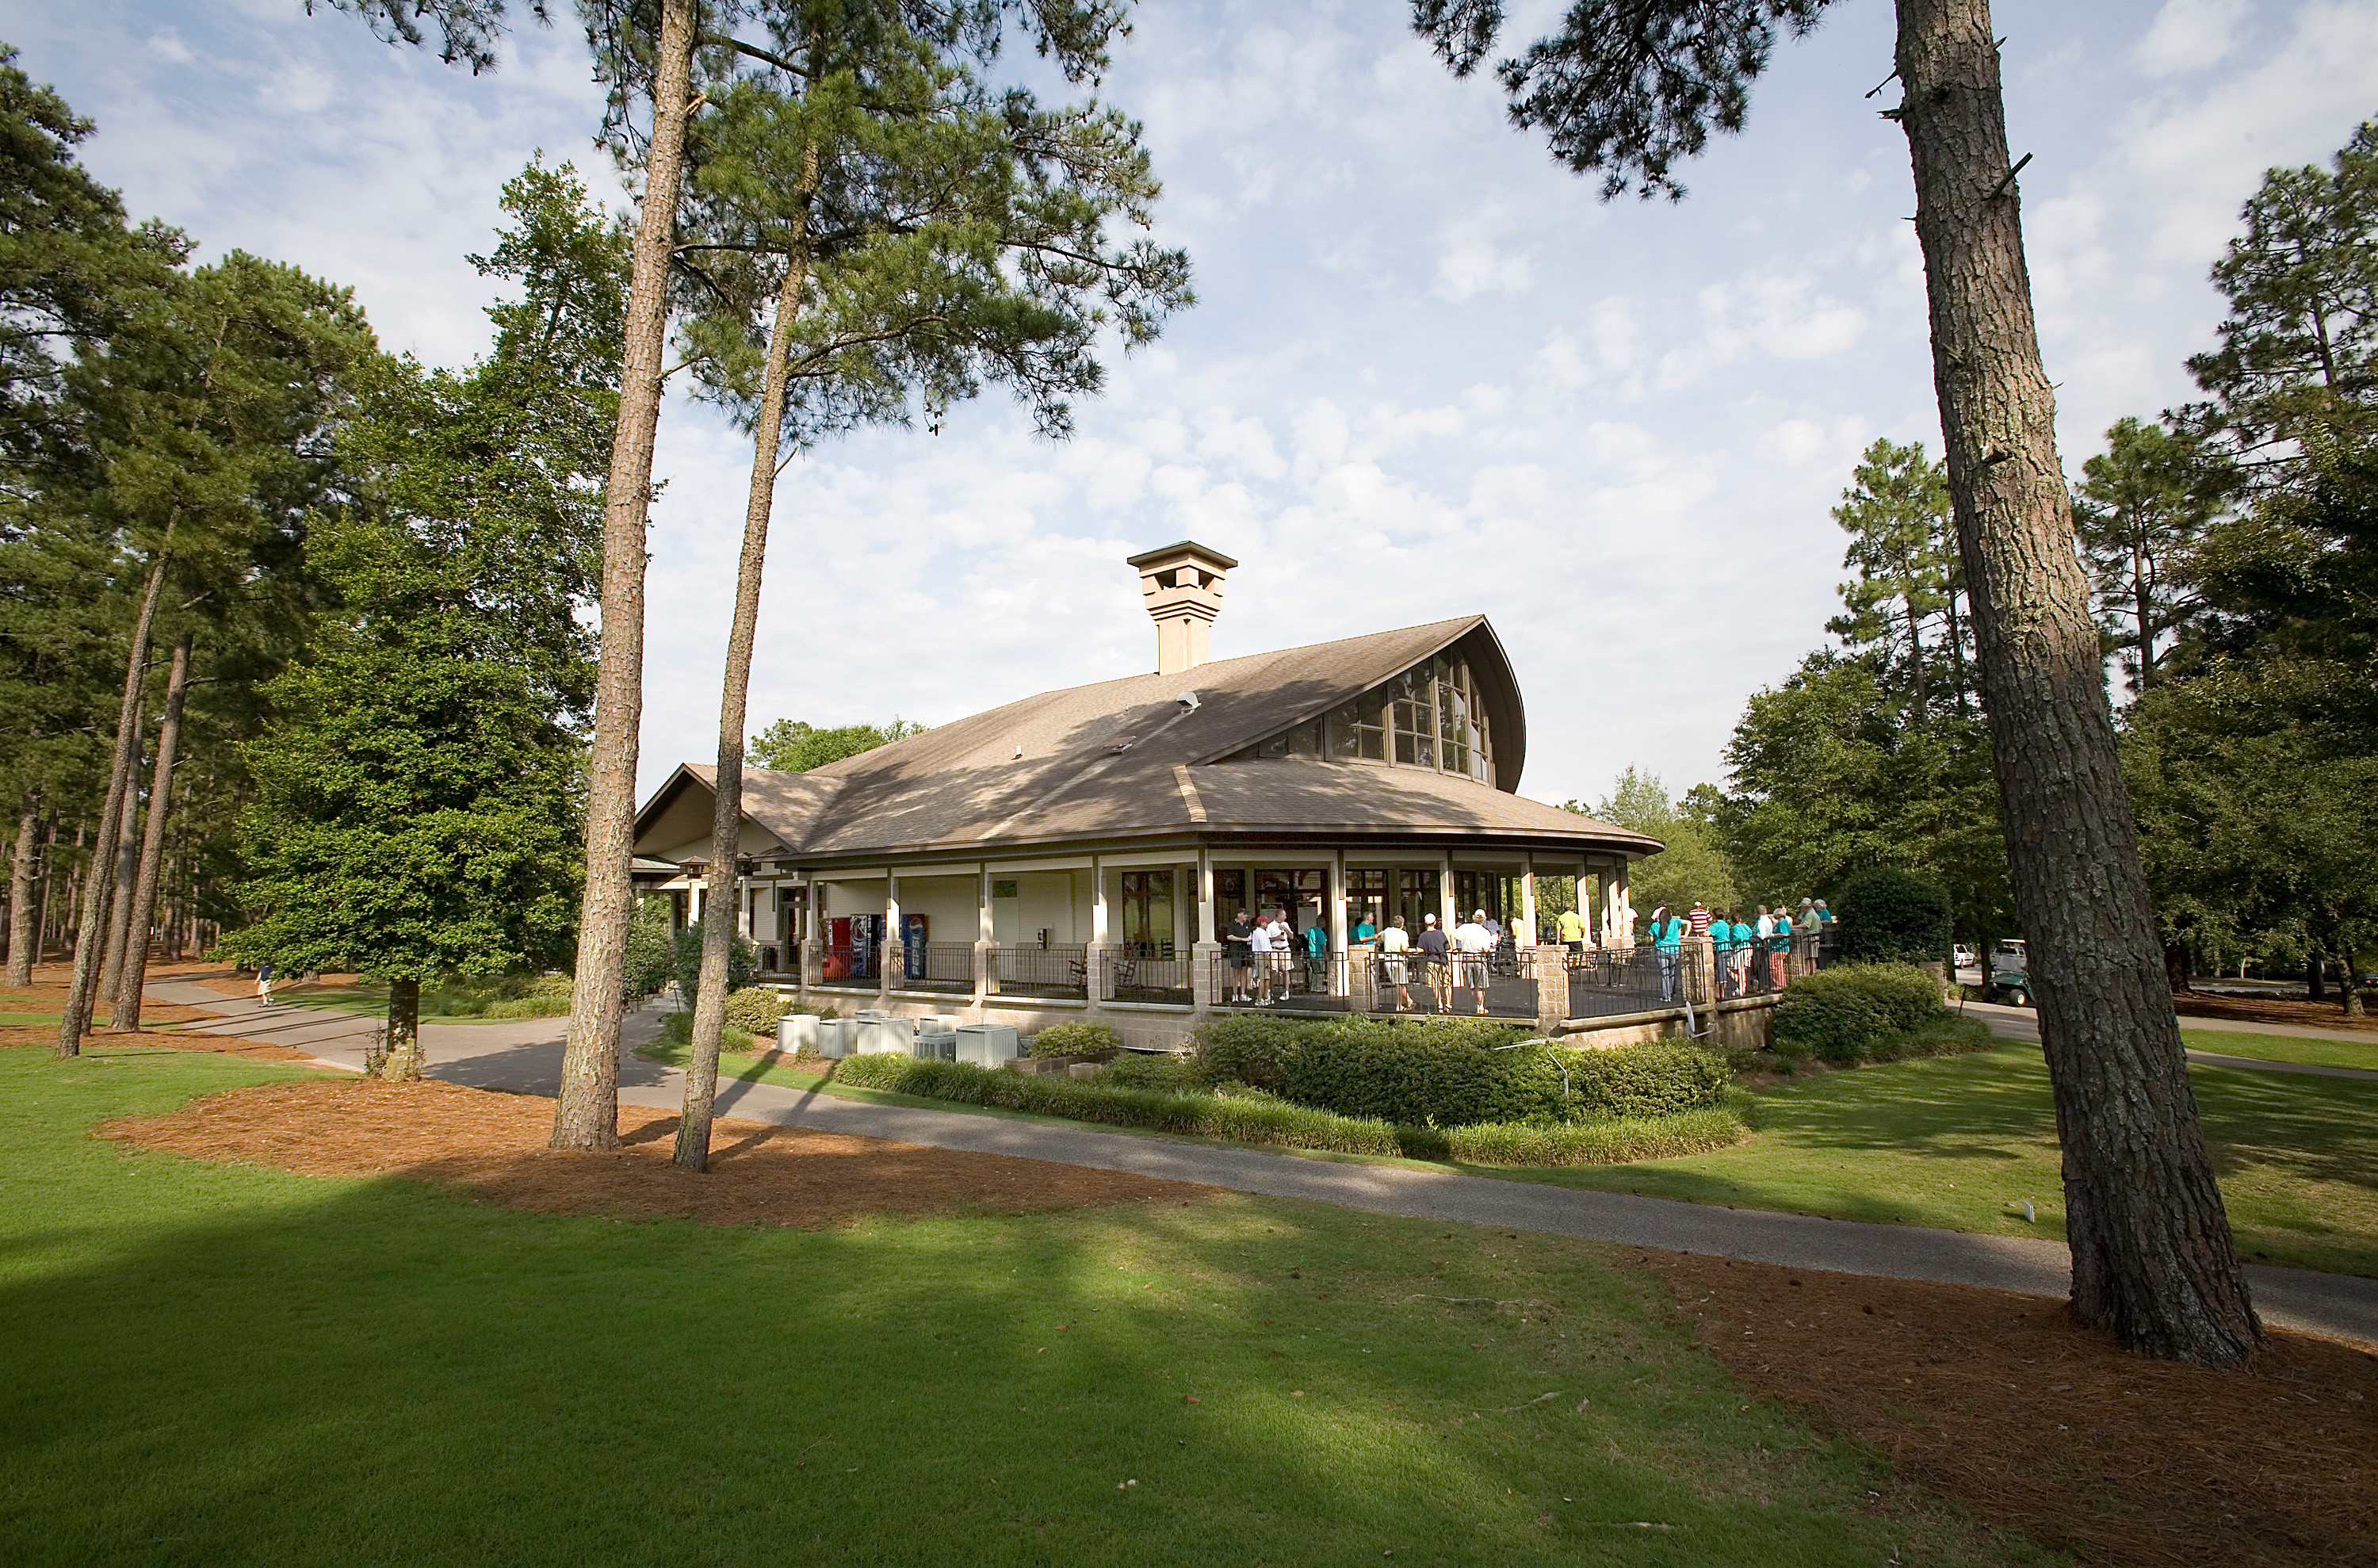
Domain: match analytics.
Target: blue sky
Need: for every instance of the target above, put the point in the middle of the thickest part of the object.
(1429, 374)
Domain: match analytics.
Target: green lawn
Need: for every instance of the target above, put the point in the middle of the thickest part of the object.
(2286, 1048)
(216, 1365)
(1960, 1142)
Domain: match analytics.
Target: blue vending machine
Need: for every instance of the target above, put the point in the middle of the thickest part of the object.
(912, 947)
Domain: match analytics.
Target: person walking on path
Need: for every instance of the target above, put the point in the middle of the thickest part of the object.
(1393, 945)
(1779, 948)
(1720, 936)
(1475, 945)
(1432, 947)
(264, 984)
(1238, 952)
(1739, 975)
(1667, 940)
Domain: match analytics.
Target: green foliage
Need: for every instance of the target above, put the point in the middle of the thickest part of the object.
(742, 963)
(1858, 1012)
(1903, 548)
(1892, 916)
(2141, 510)
(1429, 1071)
(652, 948)
(755, 1008)
(1260, 1118)
(677, 1035)
(1249, 1048)
(1075, 1040)
(790, 746)
(1692, 866)
(1135, 1069)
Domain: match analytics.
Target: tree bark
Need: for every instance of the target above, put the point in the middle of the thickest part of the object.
(2349, 963)
(24, 930)
(2153, 1259)
(124, 870)
(2315, 973)
(89, 936)
(726, 814)
(586, 1113)
(2175, 968)
(403, 1064)
(135, 970)
(48, 882)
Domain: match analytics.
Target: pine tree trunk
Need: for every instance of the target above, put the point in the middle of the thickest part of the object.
(403, 1061)
(125, 871)
(48, 882)
(2315, 973)
(586, 1113)
(153, 843)
(726, 813)
(90, 933)
(2153, 1259)
(24, 928)
(2348, 964)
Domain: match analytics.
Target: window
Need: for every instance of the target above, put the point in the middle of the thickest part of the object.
(1428, 716)
(1147, 913)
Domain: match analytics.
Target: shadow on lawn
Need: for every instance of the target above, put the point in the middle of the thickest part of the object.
(380, 1370)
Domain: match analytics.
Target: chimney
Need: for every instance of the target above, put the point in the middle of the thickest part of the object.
(1183, 586)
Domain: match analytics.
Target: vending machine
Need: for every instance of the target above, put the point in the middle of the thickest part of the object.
(866, 945)
(837, 947)
(912, 946)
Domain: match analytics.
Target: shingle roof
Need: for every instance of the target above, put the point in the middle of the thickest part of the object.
(1122, 758)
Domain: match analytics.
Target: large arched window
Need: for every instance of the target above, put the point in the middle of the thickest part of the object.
(1428, 716)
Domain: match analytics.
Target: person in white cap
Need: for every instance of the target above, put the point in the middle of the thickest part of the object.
(1440, 963)
(1475, 942)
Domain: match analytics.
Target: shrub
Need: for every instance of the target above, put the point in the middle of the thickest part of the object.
(1439, 1072)
(1857, 1012)
(1614, 1141)
(652, 951)
(1892, 916)
(1171, 1075)
(1247, 1048)
(742, 961)
(1075, 1040)
(755, 1008)
(676, 1039)
(1648, 1081)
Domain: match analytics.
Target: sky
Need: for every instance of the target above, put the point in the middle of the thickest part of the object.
(1429, 374)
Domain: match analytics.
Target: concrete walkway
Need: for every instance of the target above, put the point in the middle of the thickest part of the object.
(2022, 1024)
(526, 1058)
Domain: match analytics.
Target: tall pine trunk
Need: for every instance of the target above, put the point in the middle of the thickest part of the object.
(2152, 1255)
(125, 871)
(135, 970)
(90, 932)
(402, 1063)
(24, 927)
(726, 806)
(586, 1113)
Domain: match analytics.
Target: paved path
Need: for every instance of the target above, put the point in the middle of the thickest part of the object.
(2022, 1024)
(526, 1058)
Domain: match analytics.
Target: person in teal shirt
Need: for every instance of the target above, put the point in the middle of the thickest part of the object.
(1667, 940)
(1740, 977)
(1721, 953)
(1777, 946)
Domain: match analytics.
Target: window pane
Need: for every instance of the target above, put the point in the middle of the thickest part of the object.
(1375, 745)
(1406, 746)
(1304, 740)
(1277, 746)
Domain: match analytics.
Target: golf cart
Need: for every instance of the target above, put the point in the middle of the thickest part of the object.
(2010, 980)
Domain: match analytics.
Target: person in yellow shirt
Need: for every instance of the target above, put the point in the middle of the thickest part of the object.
(1572, 936)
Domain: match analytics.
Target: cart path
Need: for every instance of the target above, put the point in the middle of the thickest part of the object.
(525, 1057)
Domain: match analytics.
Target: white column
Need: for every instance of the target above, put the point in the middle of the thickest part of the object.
(1098, 902)
(1208, 927)
(1448, 917)
(1527, 901)
(1338, 900)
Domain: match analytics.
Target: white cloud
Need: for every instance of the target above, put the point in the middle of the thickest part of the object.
(2189, 35)
(1473, 265)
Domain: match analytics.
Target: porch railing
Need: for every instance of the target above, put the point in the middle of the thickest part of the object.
(939, 966)
(1130, 977)
(1058, 970)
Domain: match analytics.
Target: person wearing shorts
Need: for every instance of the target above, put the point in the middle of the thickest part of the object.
(1440, 963)
(264, 985)
(1394, 944)
(1472, 945)
(1739, 979)
(1238, 949)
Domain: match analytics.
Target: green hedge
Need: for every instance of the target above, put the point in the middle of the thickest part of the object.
(1075, 1040)
(1456, 1073)
(1863, 1013)
(1172, 1075)
(756, 1009)
(677, 1035)
(1253, 1116)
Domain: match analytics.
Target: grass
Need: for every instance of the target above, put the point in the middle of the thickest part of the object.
(2285, 1048)
(218, 1364)
(1960, 1142)
(370, 999)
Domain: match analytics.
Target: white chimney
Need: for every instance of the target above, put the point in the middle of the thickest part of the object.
(1182, 586)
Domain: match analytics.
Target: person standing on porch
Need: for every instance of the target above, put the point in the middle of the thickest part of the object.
(1393, 945)
(1475, 942)
(1763, 933)
(1572, 936)
(1720, 936)
(1440, 963)
(1668, 941)
(1238, 952)
(1778, 947)
(1259, 952)
(1743, 952)
(1317, 958)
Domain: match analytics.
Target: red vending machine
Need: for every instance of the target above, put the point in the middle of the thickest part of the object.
(837, 948)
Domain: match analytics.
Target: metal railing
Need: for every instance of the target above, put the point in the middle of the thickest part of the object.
(1132, 979)
(1277, 976)
(1058, 970)
(847, 965)
(1454, 986)
(938, 966)
(1624, 979)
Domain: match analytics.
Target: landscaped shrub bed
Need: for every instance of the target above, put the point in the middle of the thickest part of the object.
(755, 1008)
(1856, 1013)
(1254, 1115)
(1075, 1040)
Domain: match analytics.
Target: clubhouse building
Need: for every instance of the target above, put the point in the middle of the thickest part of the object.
(1078, 854)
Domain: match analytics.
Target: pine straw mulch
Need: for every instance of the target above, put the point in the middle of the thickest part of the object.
(45, 1035)
(2042, 1427)
(245, 984)
(2272, 1009)
(494, 1144)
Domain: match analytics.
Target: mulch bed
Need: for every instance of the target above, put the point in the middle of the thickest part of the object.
(45, 1036)
(2042, 1427)
(2272, 1009)
(494, 1144)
